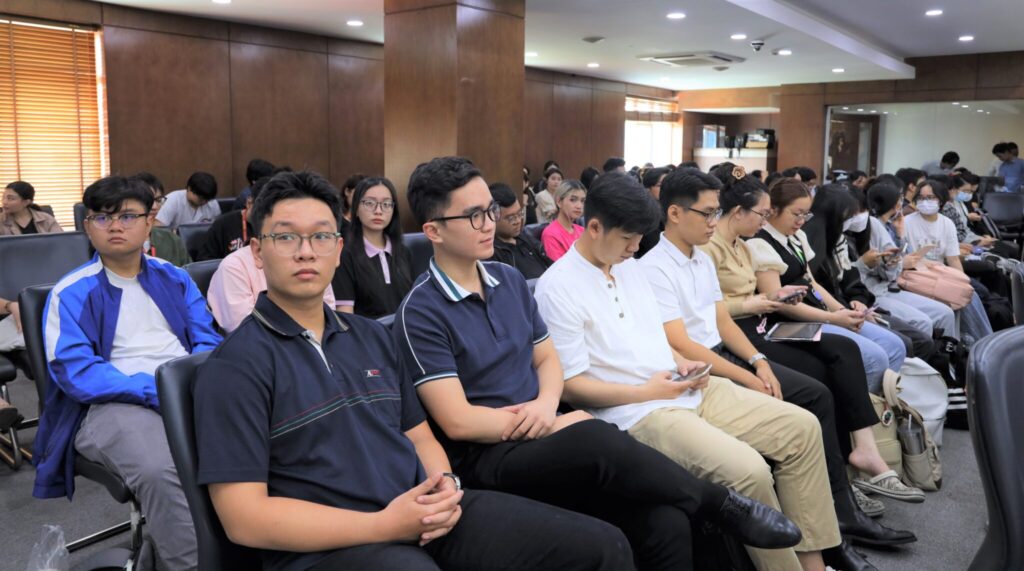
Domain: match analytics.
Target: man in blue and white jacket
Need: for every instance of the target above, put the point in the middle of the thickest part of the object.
(109, 324)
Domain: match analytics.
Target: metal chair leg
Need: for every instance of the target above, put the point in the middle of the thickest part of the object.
(15, 456)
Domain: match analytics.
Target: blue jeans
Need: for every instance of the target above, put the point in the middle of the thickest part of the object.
(880, 348)
(974, 323)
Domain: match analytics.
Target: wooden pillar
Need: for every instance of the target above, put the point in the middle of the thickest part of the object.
(454, 78)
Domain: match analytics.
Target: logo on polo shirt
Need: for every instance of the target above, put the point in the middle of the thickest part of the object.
(372, 373)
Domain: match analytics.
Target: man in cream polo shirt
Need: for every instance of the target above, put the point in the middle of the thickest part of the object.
(607, 328)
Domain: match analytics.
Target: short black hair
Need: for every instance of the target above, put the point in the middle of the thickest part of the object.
(807, 174)
(651, 176)
(999, 148)
(548, 164)
(909, 176)
(883, 196)
(288, 185)
(950, 158)
(503, 194)
(791, 172)
(109, 194)
(971, 178)
(1011, 146)
(855, 175)
(588, 175)
(432, 182)
(618, 201)
(150, 180)
(682, 187)
(203, 185)
(257, 169)
(688, 165)
(939, 188)
(613, 163)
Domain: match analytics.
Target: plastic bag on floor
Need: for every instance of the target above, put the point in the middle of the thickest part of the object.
(49, 553)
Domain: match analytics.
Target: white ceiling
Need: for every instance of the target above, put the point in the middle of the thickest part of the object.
(868, 38)
(950, 109)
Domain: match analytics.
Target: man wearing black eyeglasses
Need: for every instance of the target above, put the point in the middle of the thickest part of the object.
(109, 325)
(512, 246)
(477, 351)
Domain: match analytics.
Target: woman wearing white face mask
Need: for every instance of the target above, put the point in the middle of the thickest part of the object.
(880, 264)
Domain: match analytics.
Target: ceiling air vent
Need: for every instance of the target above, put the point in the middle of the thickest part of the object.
(694, 59)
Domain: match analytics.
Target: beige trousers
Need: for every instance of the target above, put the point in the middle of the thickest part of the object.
(724, 441)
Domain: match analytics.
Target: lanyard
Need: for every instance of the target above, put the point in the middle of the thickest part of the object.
(797, 250)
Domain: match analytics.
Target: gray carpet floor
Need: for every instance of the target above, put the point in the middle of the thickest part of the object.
(949, 525)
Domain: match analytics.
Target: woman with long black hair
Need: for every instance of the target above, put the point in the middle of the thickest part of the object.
(376, 269)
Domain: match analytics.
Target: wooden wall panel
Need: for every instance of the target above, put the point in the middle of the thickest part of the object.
(801, 131)
(70, 11)
(169, 108)
(538, 101)
(571, 116)
(124, 17)
(279, 108)
(607, 133)
(356, 117)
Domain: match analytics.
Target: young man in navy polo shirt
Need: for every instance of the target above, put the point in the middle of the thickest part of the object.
(479, 355)
(315, 447)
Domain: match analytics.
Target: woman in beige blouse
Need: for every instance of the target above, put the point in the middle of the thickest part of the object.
(834, 360)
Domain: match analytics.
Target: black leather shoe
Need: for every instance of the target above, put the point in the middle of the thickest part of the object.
(844, 557)
(755, 524)
(864, 530)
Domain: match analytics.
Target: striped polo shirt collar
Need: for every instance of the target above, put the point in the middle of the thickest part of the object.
(453, 291)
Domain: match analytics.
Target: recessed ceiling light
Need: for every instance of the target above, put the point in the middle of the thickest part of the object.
(861, 110)
(988, 113)
(221, 1)
(838, 70)
(675, 15)
(966, 106)
(738, 36)
(593, 64)
(956, 103)
(354, 23)
(885, 112)
(846, 108)
(785, 52)
(874, 110)
(966, 38)
(933, 13)
(981, 110)
(531, 54)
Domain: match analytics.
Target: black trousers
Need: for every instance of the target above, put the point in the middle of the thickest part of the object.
(988, 274)
(594, 468)
(835, 361)
(814, 396)
(500, 532)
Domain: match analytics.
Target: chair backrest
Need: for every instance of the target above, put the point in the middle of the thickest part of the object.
(420, 250)
(1004, 207)
(80, 212)
(193, 235)
(31, 303)
(174, 387)
(994, 395)
(39, 259)
(1017, 291)
(226, 204)
(202, 273)
(46, 208)
(535, 230)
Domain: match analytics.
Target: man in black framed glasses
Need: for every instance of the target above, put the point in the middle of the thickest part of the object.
(109, 324)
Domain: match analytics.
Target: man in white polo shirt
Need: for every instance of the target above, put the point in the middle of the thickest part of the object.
(617, 362)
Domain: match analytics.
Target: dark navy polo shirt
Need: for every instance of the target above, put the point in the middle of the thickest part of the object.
(322, 427)
(442, 330)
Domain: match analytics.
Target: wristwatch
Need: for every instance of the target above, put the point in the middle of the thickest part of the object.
(757, 357)
(455, 478)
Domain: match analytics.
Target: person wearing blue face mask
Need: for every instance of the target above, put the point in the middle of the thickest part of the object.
(962, 212)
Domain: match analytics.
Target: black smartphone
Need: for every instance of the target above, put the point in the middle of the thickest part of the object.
(693, 374)
(795, 296)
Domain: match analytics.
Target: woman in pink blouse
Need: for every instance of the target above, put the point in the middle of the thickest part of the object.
(563, 230)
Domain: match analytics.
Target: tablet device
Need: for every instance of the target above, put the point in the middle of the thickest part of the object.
(790, 331)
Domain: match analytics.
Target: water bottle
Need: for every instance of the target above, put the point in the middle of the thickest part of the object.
(911, 435)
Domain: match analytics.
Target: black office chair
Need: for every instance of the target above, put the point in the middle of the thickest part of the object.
(32, 301)
(80, 212)
(226, 204)
(535, 230)
(46, 208)
(993, 399)
(174, 387)
(1006, 209)
(1017, 291)
(202, 273)
(420, 250)
(29, 260)
(193, 235)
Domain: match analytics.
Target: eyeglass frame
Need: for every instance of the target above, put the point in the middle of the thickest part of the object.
(763, 215)
(491, 212)
(805, 217)
(375, 203)
(91, 219)
(709, 217)
(302, 238)
(521, 215)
